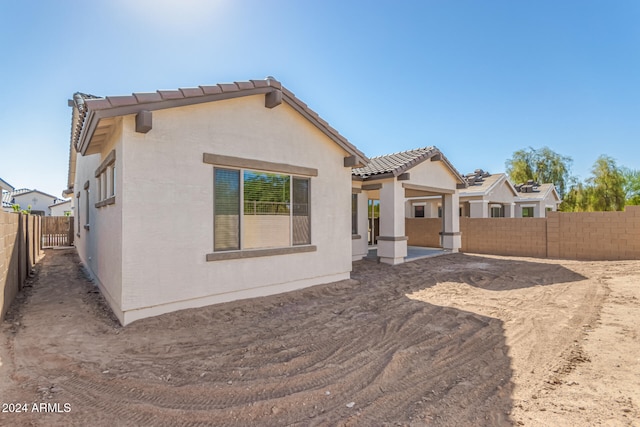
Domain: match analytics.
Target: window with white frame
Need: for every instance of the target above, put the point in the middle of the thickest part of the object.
(259, 210)
(497, 211)
(106, 181)
(527, 212)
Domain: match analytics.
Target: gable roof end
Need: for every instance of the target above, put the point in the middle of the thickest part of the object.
(392, 165)
(88, 110)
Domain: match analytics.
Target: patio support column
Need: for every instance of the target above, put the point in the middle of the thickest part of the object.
(509, 210)
(479, 208)
(451, 238)
(392, 243)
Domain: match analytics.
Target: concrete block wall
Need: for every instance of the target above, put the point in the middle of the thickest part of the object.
(423, 231)
(595, 235)
(565, 235)
(504, 236)
(20, 250)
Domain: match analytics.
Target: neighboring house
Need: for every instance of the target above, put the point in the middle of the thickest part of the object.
(7, 206)
(61, 208)
(25, 197)
(488, 196)
(384, 192)
(535, 200)
(264, 183)
(6, 189)
(5, 186)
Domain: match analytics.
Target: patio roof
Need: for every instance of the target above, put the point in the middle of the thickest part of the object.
(393, 165)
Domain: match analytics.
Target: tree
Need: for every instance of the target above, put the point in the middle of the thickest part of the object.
(607, 185)
(541, 165)
(631, 186)
(577, 199)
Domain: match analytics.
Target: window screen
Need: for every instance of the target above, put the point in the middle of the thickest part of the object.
(354, 214)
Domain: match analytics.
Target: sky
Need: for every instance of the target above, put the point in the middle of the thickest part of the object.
(479, 79)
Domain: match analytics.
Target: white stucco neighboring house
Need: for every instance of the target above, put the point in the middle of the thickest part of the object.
(61, 208)
(384, 193)
(535, 200)
(24, 197)
(5, 189)
(265, 182)
(5, 186)
(488, 196)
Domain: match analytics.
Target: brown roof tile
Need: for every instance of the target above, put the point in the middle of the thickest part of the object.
(119, 101)
(211, 90)
(228, 87)
(244, 85)
(144, 97)
(395, 163)
(188, 92)
(170, 94)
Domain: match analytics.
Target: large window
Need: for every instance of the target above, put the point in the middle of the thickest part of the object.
(274, 213)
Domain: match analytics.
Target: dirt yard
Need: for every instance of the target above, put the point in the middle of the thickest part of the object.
(457, 340)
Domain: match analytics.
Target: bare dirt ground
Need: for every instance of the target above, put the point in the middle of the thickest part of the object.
(457, 340)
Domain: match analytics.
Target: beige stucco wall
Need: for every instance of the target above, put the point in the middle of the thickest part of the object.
(100, 246)
(432, 174)
(359, 242)
(164, 265)
(60, 209)
(501, 194)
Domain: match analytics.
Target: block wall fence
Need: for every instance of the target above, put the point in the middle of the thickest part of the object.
(20, 250)
(565, 235)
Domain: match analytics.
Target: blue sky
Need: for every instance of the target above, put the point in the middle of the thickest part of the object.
(478, 79)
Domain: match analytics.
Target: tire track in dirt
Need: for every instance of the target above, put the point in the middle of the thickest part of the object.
(391, 341)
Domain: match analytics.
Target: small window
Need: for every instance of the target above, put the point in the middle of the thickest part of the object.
(354, 214)
(112, 187)
(527, 212)
(418, 211)
(105, 190)
(497, 212)
(439, 211)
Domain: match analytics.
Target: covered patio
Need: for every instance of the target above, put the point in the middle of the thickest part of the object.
(392, 180)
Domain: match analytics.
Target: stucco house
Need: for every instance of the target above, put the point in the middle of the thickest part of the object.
(266, 186)
(24, 197)
(61, 208)
(5, 189)
(5, 186)
(488, 196)
(535, 200)
(390, 188)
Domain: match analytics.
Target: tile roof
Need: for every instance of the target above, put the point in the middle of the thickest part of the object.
(398, 163)
(395, 163)
(538, 191)
(482, 185)
(6, 199)
(5, 185)
(112, 106)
